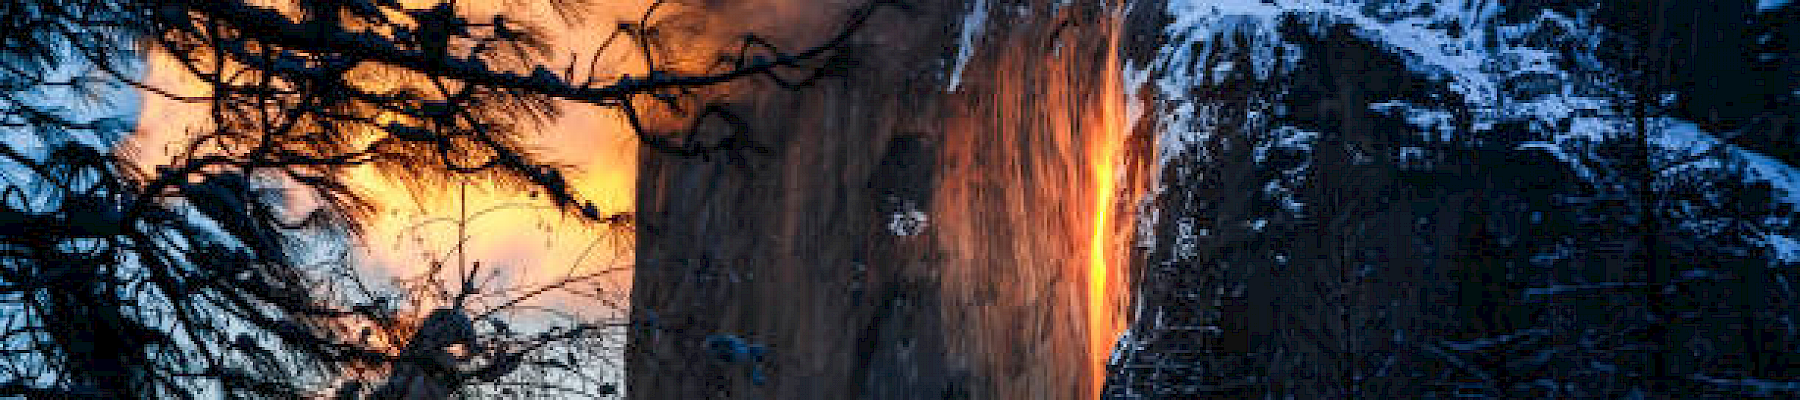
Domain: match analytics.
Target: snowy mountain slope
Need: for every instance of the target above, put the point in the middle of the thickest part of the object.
(1336, 176)
(1540, 72)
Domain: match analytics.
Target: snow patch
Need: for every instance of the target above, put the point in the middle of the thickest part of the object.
(1786, 249)
(1202, 29)
(908, 221)
(1417, 30)
(1412, 157)
(1431, 120)
(1285, 138)
(1482, 343)
(1581, 168)
(1561, 289)
(1685, 138)
(1187, 239)
(972, 24)
(1759, 387)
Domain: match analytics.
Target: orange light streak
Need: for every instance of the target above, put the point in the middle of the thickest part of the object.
(1104, 321)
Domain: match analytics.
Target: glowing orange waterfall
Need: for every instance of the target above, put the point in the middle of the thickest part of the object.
(1103, 325)
(1104, 252)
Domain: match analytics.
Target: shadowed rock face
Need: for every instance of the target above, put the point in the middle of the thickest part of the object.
(791, 249)
(1433, 199)
(796, 249)
(1301, 241)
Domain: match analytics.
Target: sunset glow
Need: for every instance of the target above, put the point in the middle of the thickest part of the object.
(531, 243)
(1105, 256)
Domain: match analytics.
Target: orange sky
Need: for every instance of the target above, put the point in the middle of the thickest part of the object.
(531, 245)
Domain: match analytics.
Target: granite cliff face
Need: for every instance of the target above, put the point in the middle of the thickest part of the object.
(1443, 198)
(1316, 198)
(919, 229)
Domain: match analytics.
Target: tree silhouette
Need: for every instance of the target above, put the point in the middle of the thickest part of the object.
(183, 281)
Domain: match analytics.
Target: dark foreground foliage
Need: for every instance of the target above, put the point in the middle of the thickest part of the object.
(190, 279)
